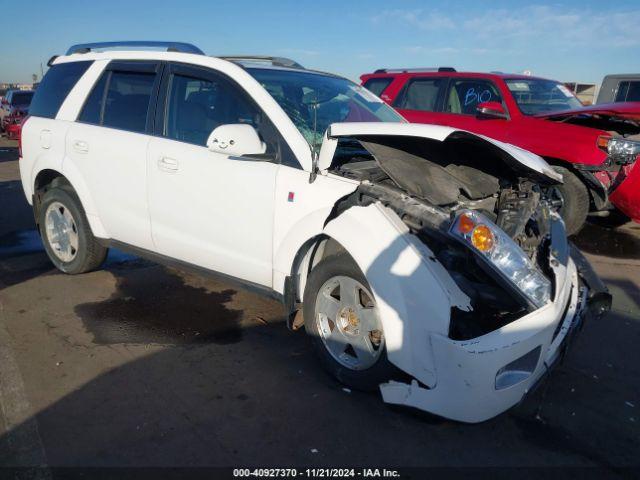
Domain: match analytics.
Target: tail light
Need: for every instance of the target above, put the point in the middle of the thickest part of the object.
(24, 121)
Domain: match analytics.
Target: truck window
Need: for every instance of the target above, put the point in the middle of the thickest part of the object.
(420, 94)
(465, 95)
(628, 91)
(377, 85)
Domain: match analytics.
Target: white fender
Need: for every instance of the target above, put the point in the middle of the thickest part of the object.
(70, 171)
(301, 232)
(412, 293)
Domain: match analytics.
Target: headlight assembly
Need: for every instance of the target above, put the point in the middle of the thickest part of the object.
(503, 254)
(619, 148)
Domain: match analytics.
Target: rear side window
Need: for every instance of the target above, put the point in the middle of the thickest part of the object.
(55, 87)
(92, 110)
(628, 92)
(127, 100)
(120, 100)
(421, 94)
(377, 85)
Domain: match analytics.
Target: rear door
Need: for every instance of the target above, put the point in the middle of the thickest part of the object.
(207, 208)
(108, 144)
(420, 100)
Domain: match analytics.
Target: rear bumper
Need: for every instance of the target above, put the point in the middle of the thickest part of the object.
(626, 195)
(470, 386)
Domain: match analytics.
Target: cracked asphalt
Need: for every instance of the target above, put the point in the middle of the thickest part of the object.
(141, 365)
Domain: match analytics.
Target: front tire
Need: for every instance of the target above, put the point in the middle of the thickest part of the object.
(342, 319)
(575, 200)
(66, 234)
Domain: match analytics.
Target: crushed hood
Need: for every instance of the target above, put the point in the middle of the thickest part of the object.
(628, 110)
(518, 159)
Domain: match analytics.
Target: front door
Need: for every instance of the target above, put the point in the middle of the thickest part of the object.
(209, 209)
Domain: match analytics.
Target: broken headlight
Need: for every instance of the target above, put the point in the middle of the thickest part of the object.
(503, 254)
(620, 149)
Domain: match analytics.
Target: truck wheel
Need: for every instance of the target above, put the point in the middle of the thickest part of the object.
(341, 316)
(574, 199)
(65, 232)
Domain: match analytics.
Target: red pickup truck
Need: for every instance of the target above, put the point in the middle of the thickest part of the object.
(595, 148)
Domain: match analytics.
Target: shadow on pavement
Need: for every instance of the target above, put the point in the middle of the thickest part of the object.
(615, 243)
(221, 392)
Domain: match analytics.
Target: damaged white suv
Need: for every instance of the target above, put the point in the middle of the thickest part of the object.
(424, 260)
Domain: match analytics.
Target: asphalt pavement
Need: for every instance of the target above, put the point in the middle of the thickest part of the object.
(141, 365)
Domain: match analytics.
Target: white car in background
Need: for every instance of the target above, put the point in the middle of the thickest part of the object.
(423, 259)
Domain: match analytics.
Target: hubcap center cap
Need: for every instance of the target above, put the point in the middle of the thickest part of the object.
(348, 321)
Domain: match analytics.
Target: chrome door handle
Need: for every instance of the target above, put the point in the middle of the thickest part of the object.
(168, 164)
(80, 146)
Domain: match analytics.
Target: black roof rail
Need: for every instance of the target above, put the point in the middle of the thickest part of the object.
(170, 46)
(415, 70)
(275, 61)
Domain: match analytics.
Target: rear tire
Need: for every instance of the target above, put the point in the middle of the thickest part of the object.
(66, 234)
(355, 329)
(575, 200)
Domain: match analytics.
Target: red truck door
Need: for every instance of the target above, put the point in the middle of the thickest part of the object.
(461, 99)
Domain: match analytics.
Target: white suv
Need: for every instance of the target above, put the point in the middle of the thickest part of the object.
(423, 260)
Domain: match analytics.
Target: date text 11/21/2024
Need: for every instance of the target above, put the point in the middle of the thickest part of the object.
(315, 473)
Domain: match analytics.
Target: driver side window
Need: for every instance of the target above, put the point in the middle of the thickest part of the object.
(465, 94)
(195, 107)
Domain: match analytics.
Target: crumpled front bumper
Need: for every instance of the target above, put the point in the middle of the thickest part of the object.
(467, 387)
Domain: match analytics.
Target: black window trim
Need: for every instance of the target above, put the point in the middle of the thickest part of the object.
(207, 74)
(128, 66)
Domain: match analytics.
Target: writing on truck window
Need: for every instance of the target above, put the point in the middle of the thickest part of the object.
(476, 97)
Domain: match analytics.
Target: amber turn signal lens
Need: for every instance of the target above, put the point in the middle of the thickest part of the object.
(465, 224)
(482, 238)
(603, 142)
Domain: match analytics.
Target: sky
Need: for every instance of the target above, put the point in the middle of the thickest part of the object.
(568, 41)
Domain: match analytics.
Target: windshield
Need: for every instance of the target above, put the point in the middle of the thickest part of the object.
(22, 98)
(314, 101)
(535, 96)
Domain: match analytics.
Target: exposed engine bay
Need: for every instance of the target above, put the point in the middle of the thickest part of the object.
(427, 182)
